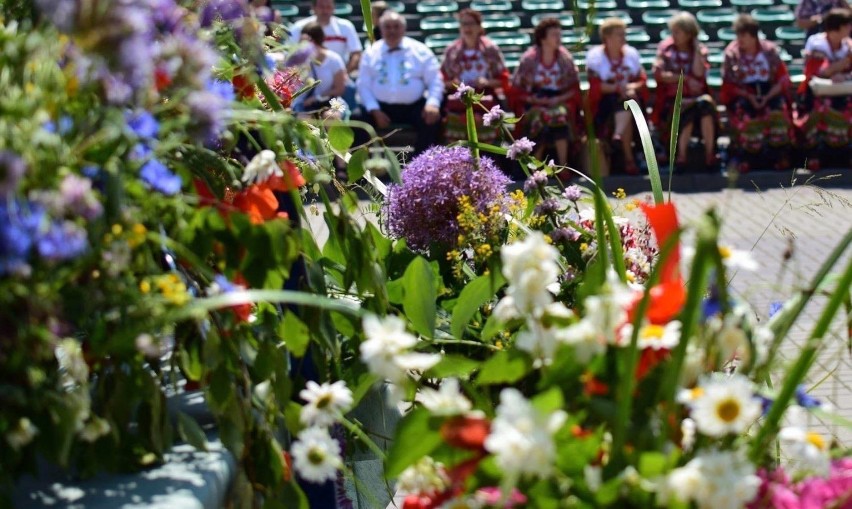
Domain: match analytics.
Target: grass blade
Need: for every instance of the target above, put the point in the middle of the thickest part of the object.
(648, 149)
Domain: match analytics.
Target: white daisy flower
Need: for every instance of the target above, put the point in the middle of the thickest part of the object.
(336, 105)
(521, 438)
(325, 403)
(386, 352)
(447, 400)
(656, 337)
(585, 339)
(69, 354)
(262, 167)
(316, 456)
(803, 452)
(737, 259)
(530, 267)
(725, 405)
(713, 480)
(427, 476)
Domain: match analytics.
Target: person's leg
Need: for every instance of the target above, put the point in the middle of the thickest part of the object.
(561, 151)
(683, 140)
(624, 131)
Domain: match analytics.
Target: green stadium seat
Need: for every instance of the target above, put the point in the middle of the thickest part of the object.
(574, 37)
(658, 18)
(598, 5)
(744, 5)
(500, 21)
(439, 24)
(714, 77)
(702, 36)
(727, 34)
(286, 10)
(790, 33)
(716, 17)
(343, 10)
(565, 19)
(647, 57)
(774, 16)
(437, 6)
(791, 3)
(484, 6)
(542, 5)
(637, 35)
(644, 5)
(512, 59)
(600, 16)
(438, 42)
(692, 5)
(396, 6)
(716, 58)
(505, 39)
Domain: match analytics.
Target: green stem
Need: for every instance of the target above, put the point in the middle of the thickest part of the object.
(675, 131)
(470, 124)
(358, 432)
(648, 149)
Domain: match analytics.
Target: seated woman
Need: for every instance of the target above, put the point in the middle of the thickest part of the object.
(615, 75)
(546, 90)
(476, 61)
(328, 69)
(755, 84)
(682, 53)
(826, 121)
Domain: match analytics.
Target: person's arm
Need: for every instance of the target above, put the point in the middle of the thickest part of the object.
(699, 61)
(339, 84)
(365, 83)
(354, 61)
(433, 81)
(354, 47)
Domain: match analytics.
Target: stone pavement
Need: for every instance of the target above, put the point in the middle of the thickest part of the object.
(809, 221)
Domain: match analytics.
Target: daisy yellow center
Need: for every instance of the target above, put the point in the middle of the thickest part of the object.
(728, 410)
(816, 440)
(725, 251)
(697, 392)
(324, 401)
(653, 331)
(316, 456)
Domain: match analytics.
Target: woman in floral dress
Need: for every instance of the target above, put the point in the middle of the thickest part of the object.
(826, 121)
(681, 53)
(476, 61)
(546, 87)
(755, 86)
(615, 76)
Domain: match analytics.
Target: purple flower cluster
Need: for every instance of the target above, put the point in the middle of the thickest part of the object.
(548, 206)
(160, 178)
(534, 181)
(209, 109)
(12, 169)
(494, 115)
(778, 492)
(225, 10)
(573, 193)
(424, 208)
(519, 148)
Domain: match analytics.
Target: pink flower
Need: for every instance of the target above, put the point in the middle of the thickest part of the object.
(492, 496)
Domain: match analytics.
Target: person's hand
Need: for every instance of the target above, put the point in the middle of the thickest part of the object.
(381, 119)
(754, 101)
(431, 114)
(630, 92)
(762, 102)
(481, 83)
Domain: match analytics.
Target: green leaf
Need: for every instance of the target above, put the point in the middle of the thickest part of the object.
(294, 496)
(191, 432)
(355, 167)
(340, 137)
(503, 367)
(295, 334)
(453, 366)
(419, 296)
(648, 148)
(221, 388)
(292, 411)
(416, 436)
(190, 360)
(652, 464)
(491, 328)
(549, 400)
(472, 297)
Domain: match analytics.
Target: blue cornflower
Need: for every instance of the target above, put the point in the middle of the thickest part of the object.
(12, 169)
(155, 174)
(775, 307)
(806, 400)
(140, 151)
(19, 225)
(143, 124)
(62, 241)
(223, 284)
(65, 124)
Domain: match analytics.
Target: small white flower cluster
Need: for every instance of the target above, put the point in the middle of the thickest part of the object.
(713, 480)
(261, 168)
(387, 352)
(427, 476)
(446, 401)
(316, 455)
(521, 437)
(722, 404)
(803, 452)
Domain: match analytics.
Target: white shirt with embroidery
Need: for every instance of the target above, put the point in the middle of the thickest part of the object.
(754, 69)
(340, 35)
(818, 43)
(399, 76)
(622, 71)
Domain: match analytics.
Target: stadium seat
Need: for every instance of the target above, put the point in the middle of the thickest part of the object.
(437, 6)
(501, 21)
(727, 34)
(598, 5)
(505, 39)
(714, 77)
(542, 5)
(745, 5)
(485, 6)
(647, 56)
(343, 10)
(637, 35)
(644, 5)
(286, 10)
(439, 24)
(790, 33)
(438, 42)
(565, 19)
(574, 37)
(600, 16)
(716, 17)
(396, 6)
(774, 17)
(702, 36)
(658, 18)
(692, 5)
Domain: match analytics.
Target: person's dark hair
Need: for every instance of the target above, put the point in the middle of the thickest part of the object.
(836, 19)
(540, 31)
(314, 32)
(745, 24)
(471, 13)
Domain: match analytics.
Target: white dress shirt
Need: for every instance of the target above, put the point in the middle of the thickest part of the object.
(340, 35)
(399, 76)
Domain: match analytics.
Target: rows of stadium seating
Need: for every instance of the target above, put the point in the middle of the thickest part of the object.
(510, 23)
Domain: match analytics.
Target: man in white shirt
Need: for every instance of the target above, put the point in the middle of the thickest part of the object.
(399, 81)
(340, 34)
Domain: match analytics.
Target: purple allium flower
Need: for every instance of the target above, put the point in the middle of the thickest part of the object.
(143, 124)
(12, 168)
(494, 115)
(302, 55)
(521, 146)
(535, 180)
(77, 197)
(548, 206)
(573, 192)
(461, 91)
(62, 13)
(565, 235)
(424, 208)
(19, 224)
(62, 241)
(155, 174)
(226, 10)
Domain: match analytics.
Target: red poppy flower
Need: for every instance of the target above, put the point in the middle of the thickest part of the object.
(466, 432)
(243, 86)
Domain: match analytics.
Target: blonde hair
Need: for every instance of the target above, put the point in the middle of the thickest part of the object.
(685, 22)
(611, 24)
